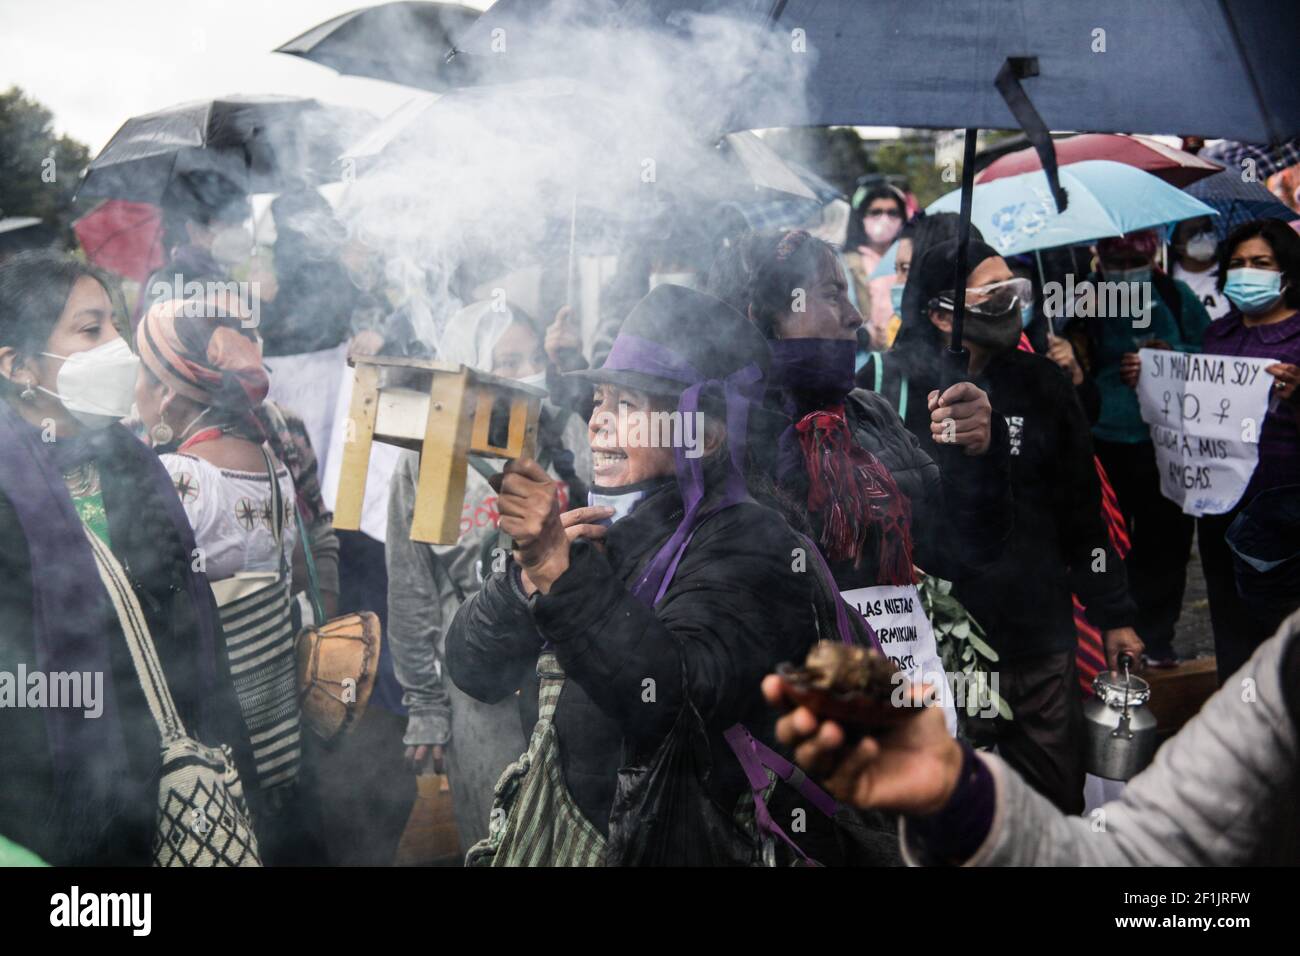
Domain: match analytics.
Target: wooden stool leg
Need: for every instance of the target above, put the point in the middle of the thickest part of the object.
(524, 412)
(440, 492)
(356, 448)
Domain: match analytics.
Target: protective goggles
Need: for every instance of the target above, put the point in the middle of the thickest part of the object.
(992, 300)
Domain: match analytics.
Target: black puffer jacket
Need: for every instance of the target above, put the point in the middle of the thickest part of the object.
(961, 504)
(739, 604)
(1061, 544)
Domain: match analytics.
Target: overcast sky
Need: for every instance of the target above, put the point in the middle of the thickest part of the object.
(94, 63)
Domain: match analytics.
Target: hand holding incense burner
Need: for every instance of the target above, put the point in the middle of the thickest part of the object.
(846, 683)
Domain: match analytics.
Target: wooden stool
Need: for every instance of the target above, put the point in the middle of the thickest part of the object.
(1178, 693)
(446, 413)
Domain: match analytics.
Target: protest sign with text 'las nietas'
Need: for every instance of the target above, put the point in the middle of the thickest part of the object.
(897, 616)
(1205, 413)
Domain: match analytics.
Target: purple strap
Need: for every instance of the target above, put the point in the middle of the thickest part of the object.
(755, 759)
(841, 613)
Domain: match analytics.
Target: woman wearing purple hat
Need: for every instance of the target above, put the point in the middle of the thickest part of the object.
(674, 586)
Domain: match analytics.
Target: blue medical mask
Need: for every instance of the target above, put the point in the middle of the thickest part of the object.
(896, 298)
(1253, 290)
(1026, 315)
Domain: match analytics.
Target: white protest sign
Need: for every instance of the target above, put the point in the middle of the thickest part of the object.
(1205, 413)
(308, 385)
(379, 474)
(897, 616)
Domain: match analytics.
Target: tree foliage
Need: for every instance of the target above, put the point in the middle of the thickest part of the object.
(39, 171)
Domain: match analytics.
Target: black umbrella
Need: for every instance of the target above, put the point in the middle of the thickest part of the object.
(19, 233)
(1214, 69)
(1238, 201)
(1104, 66)
(405, 43)
(254, 144)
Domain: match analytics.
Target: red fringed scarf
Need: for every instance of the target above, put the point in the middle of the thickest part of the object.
(854, 492)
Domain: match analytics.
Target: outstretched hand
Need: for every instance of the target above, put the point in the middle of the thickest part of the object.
(911, 768)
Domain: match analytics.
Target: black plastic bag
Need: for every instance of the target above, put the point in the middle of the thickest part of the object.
(663, 813)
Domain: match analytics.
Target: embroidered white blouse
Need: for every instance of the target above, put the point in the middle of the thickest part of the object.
(230, 512)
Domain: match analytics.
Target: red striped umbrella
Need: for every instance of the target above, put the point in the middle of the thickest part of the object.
(1175, 166)
(123, 237)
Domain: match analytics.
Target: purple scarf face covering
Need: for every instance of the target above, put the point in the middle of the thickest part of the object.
(812, 374)
(814, 366)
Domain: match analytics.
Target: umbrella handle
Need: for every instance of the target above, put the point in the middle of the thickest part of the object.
(954, 367)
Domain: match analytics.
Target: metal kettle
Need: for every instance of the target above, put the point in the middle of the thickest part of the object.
(1121, 730)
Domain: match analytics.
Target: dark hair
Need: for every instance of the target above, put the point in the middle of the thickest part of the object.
(857, 234)
(757, 273)
(918, 342)
(928, 230)
(34, 289)
(1284, 242)
(198, 197)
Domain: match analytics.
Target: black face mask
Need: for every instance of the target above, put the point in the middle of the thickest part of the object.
(995, 332)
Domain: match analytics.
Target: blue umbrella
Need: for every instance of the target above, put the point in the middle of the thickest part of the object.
(1017, 214)
(1237, 202)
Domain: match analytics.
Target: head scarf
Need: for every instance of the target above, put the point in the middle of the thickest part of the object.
(210, 358)
(739, 390)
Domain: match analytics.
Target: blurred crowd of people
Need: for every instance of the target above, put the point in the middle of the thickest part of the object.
(593, 693)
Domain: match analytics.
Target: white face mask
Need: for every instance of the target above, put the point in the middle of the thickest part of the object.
(686, 279)
(536, 380)
(231, 245)
(98, 385)
(621, 501)
(1201, 247)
